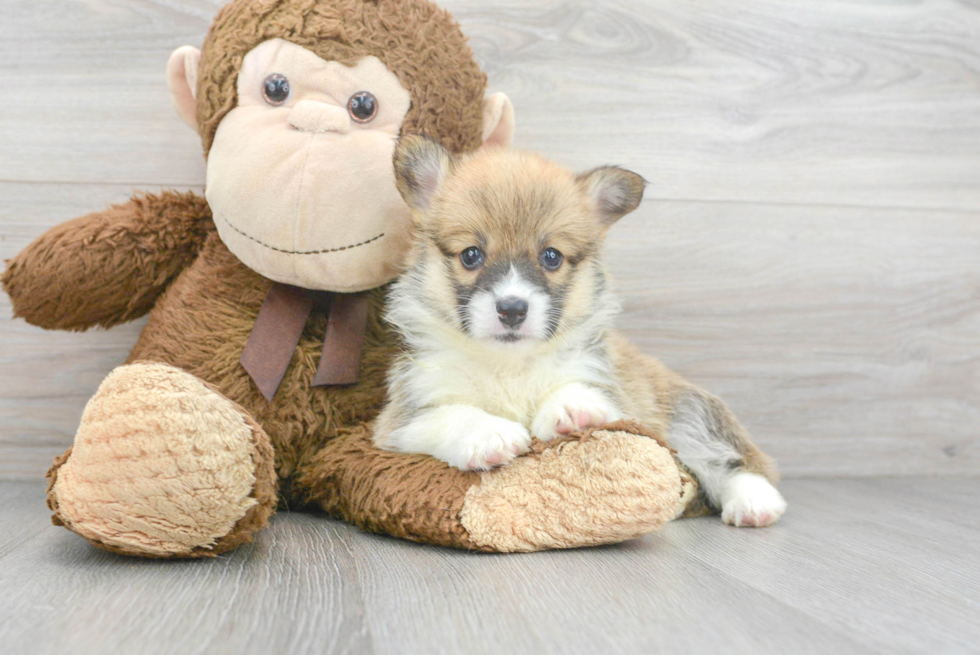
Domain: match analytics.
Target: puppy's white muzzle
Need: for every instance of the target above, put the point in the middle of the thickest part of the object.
(512, 310)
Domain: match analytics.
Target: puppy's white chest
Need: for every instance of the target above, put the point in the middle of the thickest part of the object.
(514, 388)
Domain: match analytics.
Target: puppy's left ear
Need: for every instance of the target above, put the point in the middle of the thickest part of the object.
(615, 191)
(421, 165)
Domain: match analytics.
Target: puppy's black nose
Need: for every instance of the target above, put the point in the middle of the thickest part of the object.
(512, 311)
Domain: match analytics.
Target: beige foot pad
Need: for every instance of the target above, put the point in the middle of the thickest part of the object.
(606, 487)
(164, 466)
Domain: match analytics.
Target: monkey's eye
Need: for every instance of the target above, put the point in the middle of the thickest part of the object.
(362, 106)
(275, 89)
(471, 258)
(551, 259)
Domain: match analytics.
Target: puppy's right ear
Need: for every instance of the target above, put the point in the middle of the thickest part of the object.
(421, 166)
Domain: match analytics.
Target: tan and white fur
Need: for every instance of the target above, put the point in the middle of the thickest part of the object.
(506, 314)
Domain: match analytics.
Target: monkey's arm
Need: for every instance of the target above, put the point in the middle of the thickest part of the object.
(600, 487)
(107, 267)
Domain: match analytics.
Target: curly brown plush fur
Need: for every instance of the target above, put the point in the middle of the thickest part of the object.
(201, 324)
(161, 253)
(60, 281)
(419, 42)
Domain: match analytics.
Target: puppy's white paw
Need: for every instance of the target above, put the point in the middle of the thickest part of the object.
(573, 407)
(749, 500)
(494, 442)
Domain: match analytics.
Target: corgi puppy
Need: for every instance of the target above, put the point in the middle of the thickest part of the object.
(506, 314)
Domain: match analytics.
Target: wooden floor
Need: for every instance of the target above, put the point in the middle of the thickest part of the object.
(886, 565)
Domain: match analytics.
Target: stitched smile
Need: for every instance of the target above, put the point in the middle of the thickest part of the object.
(300, 252)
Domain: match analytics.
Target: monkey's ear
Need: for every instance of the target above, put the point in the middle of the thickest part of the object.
(421, 164)
(615, 191)
(182, 81)
(498, 121)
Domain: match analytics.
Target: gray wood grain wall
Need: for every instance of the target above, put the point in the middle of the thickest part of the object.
(809, 248)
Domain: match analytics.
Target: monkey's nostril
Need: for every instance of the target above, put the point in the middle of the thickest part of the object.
(512, 311)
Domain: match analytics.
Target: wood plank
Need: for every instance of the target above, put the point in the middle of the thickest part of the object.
(24, 514)
(636, 599)
(877, 559)
(314, 584)
(844, 338)
(294, 591)
(780, 101)
(92, 102)
(806, 101)
(955, 496)
(837, 575)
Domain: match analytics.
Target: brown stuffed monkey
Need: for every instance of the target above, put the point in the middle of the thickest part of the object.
(263, 362)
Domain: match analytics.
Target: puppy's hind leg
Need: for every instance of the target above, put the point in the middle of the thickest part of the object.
(736, 477)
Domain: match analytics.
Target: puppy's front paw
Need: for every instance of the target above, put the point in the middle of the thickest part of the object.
(571, 408)
(749, 500)
(495, 442)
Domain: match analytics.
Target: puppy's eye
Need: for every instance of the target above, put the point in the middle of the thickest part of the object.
(362, 106)
(471, 258)
(551, 259)
(275, 89)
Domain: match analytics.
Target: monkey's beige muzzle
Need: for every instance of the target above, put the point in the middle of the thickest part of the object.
(314, 116)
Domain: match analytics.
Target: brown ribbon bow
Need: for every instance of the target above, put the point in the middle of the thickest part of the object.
(280, 324)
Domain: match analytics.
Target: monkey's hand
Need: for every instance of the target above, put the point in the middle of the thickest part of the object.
(107, 267)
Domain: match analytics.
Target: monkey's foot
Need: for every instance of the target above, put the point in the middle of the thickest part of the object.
(603, 486)
(163, 465)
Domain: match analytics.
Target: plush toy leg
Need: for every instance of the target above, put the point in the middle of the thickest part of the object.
(164, 466)
(604, 486)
